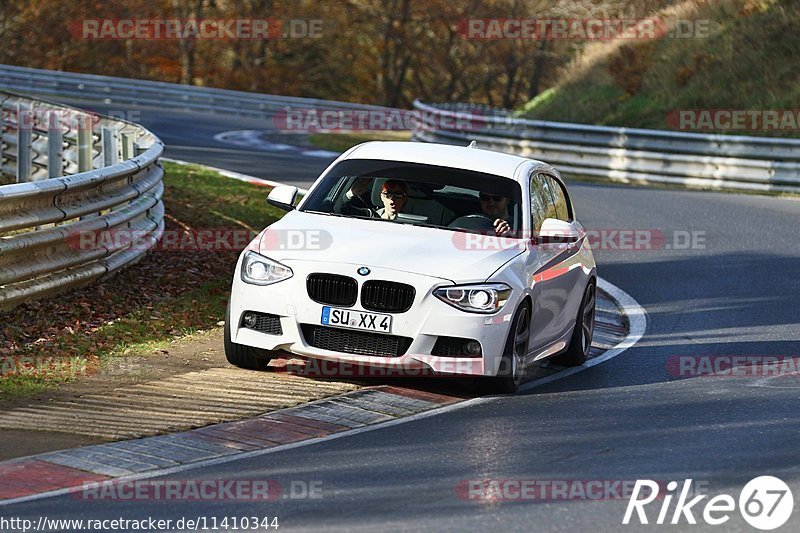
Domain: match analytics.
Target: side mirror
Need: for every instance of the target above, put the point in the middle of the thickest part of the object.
(283, 197)
(557, 231)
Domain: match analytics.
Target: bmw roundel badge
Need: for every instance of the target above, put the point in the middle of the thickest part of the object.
(363, 271)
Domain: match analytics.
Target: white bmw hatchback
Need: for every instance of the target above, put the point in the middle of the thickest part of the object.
(453, 260)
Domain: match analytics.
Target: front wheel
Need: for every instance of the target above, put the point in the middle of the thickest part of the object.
(581, 341)
(512, 366)
(240, 355)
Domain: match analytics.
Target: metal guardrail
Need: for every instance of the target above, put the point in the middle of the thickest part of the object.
(76, 179)
(110, 89)
(617, 154)
(623, 154)
(70, 174)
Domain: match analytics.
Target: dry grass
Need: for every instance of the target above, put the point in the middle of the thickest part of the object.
(745, 62)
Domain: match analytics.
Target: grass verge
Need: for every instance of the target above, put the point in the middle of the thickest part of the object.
(339, 142)
(168, 294)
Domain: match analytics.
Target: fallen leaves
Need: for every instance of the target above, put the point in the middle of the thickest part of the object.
(166, 294)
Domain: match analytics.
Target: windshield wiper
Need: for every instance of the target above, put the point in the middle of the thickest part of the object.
(422, 224)
(337, 214)
(323, 213)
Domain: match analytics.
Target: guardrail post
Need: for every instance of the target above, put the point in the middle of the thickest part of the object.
(24, 137)
(84, 144)
(2, 131)
(110, 147)
(55, 147)
(127, 146)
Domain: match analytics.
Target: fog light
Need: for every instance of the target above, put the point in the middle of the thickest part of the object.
(472, 347)
(250, 320)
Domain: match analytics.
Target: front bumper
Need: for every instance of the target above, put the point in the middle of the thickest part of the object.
(426, 320)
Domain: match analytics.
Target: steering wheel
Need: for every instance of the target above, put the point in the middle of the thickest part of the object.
(366, 211)
(364, 203)
(474, 222)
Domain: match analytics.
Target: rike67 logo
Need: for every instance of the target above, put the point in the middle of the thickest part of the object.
(766, 503)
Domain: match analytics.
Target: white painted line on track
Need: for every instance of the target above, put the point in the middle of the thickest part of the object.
(321, 153)
(254, 139)
(638, 324)
(637, 319)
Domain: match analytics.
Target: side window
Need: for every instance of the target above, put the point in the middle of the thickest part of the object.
(539, 202)
(559, 198)
(550, 205)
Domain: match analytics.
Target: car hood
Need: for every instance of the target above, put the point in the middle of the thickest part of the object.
(450, 255)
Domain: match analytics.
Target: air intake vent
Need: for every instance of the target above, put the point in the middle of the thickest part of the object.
(355, 342)
(456, 347)
(269, 324)
(332, 289)
(388, 296)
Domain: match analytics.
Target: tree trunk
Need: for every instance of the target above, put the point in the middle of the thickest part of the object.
(187, 9)
(539, 66)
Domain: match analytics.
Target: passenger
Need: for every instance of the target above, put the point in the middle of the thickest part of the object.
(495, 207)
(394, 196)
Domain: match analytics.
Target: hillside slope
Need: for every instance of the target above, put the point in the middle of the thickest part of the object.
(748, 60)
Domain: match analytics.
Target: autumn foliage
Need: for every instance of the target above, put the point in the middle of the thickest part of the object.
(372, 51)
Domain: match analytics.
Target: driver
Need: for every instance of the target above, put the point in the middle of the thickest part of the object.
(394, 196)
(495, 207)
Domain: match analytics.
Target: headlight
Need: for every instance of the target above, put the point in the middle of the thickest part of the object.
(260, 270)
(480, 298)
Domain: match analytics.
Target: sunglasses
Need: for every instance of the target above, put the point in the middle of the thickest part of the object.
(393, 194)
(490, 197)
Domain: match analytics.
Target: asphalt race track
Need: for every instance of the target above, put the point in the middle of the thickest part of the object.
(189, 136)
(735, 292)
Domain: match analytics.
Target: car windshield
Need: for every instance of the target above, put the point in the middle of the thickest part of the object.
(411, 193)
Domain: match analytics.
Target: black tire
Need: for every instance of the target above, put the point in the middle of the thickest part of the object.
(512, 367)
(240, 355)
(581, 341)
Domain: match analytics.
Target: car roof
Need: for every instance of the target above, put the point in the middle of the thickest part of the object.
(444, 155)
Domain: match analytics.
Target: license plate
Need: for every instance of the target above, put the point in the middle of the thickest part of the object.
(348, 318)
